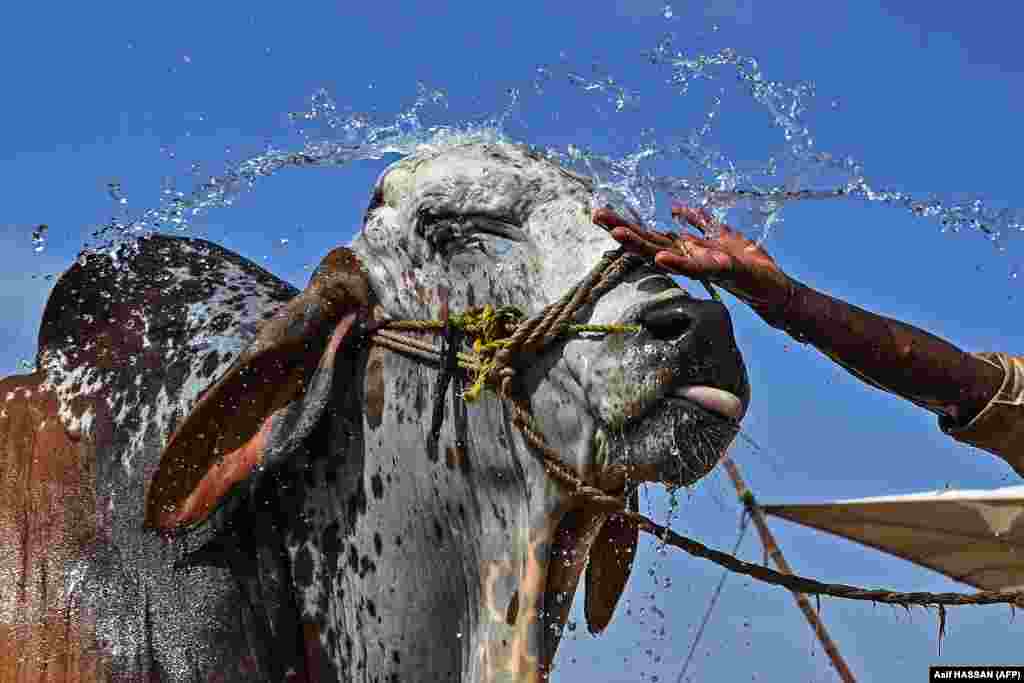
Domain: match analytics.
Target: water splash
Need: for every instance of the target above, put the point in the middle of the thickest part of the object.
(699, 172)
(39, 238)
(332, 139)
(752, 195)
(115, 193)
(799, 173)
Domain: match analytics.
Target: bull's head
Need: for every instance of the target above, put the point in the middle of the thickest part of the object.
(496, 224)
(461, 559)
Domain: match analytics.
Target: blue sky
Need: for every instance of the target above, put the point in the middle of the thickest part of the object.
(926, 97)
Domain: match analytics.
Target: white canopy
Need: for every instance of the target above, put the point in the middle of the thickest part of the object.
(976, 537)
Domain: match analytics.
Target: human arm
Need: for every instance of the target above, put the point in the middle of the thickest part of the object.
(886, 353)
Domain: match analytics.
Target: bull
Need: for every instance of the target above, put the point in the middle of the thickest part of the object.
(329, 510)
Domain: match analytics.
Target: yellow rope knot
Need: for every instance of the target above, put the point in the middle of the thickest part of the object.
(488, 324)
(492, 329)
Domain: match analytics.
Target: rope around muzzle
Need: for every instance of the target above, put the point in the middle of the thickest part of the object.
(504, 338)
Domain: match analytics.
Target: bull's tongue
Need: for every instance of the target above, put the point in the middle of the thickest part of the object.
(716, 400)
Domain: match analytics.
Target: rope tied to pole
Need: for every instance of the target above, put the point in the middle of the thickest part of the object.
(503, 339)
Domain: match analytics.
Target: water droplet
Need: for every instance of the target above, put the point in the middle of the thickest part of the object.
(187, 59)
(131, 44)
(39, 238)
(267, 51)
(667, 11)
(114, 190)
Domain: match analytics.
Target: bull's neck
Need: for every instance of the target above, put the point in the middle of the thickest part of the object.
(426, 562)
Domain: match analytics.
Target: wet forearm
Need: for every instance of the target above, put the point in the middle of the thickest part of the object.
(891, 355)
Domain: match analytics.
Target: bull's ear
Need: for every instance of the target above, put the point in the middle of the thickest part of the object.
(611, 561)
(225, 436)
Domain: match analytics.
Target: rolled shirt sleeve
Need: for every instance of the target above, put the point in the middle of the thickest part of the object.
(999, 427)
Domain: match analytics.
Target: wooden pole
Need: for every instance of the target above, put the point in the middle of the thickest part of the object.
(773, 551)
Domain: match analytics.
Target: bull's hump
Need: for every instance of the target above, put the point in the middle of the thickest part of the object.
(130, 338)
(105, 291)
(128, 343)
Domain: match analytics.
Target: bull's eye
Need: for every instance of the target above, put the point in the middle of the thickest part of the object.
(441, 236)
(441, 231)
(450, 234)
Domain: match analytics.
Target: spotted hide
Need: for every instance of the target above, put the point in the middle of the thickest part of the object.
(219, 478)
(126, 346)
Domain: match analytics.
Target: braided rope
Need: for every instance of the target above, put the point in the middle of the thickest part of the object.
(801, 584)
(544, 328)
(502, 336)
(566, 306)
(493, 361)
(523, 419)
(420, 349)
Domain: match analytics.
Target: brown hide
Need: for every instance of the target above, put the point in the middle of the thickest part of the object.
(47, 520)
(85, 593)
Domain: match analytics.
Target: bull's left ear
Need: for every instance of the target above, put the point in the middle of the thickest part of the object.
(225, 436)
(611, 562)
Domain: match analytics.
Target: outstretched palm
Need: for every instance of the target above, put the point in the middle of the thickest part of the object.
(723, 256)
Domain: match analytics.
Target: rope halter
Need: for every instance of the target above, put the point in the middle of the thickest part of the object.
(503, 340)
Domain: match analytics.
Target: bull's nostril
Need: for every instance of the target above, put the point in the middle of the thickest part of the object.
(666, 324)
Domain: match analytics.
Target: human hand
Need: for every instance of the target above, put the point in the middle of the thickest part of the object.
(727, 258)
